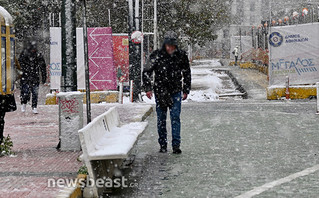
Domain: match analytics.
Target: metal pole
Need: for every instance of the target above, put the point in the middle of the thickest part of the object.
(137, 56)
(142, 43)
(131, 90)
(313, 14)
(252, 37)
(240, 39)
(86, 65)
(131, 45)
(317, 97)
(258, 39)
(155, 24)
(269, 46)
(134, 49)
(109, 11)
(60, 23)
(130, 5)
(69, 71)
(137, 15)
(121, 93)
(264, 38)
(50, 19)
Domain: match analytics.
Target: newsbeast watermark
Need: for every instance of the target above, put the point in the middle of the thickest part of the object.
(104, 182)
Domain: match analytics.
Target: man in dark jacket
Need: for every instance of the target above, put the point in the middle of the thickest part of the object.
(7, 100)
(32, 63)
(172, 84)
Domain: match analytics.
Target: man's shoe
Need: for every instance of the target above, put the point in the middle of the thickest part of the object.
(23, 108)
(35, 111)
(163, 149)
(177, 150)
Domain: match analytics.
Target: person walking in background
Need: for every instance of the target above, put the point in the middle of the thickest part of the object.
(172, 84)
(7, 100)
(32, 64)
(236, 54)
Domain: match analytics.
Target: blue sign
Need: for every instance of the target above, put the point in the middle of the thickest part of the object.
(275, 39)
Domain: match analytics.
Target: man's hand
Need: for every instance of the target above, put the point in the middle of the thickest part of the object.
(185, 96)
(149, 94)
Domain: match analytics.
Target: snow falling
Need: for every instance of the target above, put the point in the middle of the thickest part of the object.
(204, 98)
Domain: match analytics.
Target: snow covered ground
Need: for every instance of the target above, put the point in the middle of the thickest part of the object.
(207, 85)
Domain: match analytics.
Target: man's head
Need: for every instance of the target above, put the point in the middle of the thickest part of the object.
(170, 42)
(170, 49)
(30, 45)
(33, 46)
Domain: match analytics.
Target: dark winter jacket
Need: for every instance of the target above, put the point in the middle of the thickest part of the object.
(32, 63)
(7, 103)
(172, 75)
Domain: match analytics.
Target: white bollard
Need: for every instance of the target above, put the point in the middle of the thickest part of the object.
(70, 120)
(317, 98)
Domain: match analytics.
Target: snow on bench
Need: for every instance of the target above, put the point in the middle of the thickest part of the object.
(104, 139)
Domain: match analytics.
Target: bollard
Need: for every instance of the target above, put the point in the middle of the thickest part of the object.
(131, 90)
(317, 98)
(70, 120)
(287, 88)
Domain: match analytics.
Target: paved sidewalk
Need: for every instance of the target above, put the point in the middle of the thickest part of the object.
(35, 138)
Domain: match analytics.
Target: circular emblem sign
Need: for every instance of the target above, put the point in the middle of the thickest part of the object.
(275, 39)
(137, 37)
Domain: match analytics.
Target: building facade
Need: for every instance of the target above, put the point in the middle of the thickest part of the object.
(246, 14)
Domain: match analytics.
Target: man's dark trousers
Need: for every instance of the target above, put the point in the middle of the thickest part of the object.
(2, 114)
(26, 90)
(175, 112)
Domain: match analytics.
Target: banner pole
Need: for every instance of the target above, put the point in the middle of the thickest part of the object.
(317, 98)
(86, 64)
(131, 90)
(269, 46)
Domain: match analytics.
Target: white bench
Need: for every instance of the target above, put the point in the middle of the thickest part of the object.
(106, 144)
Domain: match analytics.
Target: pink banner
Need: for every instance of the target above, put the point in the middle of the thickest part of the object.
(101, 60)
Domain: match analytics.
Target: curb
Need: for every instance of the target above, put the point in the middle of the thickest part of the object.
(96, 97)
(303, 92)
(251, 65)
(72, 192)
(239, 87)
(147, 114)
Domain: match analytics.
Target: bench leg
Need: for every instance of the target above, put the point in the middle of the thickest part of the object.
(106, 170)
(92, 176)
